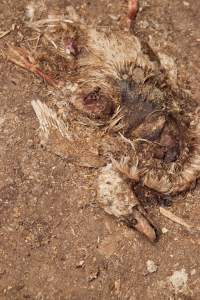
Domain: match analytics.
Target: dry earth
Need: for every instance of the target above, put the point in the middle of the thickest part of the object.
(55, 242)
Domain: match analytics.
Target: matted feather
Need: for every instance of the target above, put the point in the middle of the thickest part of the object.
(48, 120)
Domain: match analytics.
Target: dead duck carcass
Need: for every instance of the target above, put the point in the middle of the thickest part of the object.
(144, 128)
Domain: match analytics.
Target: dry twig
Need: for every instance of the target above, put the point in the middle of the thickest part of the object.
(4, 33)
(168, 214)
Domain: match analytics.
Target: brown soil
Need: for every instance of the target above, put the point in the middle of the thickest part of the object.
(55, 242)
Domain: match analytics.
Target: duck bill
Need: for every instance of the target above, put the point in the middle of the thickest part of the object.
(143, 225)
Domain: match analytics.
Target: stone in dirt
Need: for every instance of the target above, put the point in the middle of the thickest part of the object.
(179, 280)
(151, 266)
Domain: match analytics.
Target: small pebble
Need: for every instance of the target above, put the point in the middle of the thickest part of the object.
(193, 272)
(144, 24)
(93, 276)
(164, 230)
(179, 280)
(114, 17)
(2, 119)
(80, 264)
(117, 286)
(185, 3)
(151, 266)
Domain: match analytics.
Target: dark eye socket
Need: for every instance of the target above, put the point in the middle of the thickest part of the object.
(97, 103)
(93, 96)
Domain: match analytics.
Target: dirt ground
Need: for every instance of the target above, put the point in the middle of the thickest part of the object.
(56, 243)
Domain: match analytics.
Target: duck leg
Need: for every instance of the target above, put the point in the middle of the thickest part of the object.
(23, 58)
(116, 197)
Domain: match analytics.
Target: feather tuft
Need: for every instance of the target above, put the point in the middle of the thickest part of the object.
(123, 167)
(48, 120)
